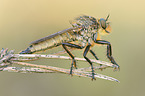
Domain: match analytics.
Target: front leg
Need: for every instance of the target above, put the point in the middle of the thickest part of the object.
(91, 51)
(109, 50)
(70, 54)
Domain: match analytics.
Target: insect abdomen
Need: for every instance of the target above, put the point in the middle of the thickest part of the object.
(51, 42)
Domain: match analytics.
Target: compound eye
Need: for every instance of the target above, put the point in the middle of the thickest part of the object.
(103, 23)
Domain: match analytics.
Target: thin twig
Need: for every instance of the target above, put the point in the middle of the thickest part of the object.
(95, 68)
(67, 71)
(8, 58)
(38, 56)
(27, 70)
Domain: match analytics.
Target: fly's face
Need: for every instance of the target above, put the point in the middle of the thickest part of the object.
(104, 26)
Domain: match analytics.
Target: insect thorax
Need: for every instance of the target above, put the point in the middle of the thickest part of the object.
(88, 27)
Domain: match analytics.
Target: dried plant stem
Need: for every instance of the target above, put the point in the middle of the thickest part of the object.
(36, 56)
(9, 58)
(67, 71)
(89, 68)
(27, 70)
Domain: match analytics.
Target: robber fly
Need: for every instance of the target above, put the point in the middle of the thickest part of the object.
(83, 34)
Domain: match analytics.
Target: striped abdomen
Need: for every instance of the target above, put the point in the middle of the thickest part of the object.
(51, 41)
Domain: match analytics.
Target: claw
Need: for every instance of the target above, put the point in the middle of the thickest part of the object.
(93, 78)
(116, 68)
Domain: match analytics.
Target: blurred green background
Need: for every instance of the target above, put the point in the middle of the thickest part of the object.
(23, 21)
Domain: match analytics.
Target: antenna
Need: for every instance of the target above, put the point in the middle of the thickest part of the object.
(107, 17)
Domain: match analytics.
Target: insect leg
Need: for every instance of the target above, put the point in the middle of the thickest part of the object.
(84, 54)
(70, 54)
(109, 50)
(91, 51)
(94, 54)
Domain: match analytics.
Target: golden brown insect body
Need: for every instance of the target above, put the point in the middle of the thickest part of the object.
(83, 30)
(84, 33)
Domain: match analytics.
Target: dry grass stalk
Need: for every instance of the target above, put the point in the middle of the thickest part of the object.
(9, 58)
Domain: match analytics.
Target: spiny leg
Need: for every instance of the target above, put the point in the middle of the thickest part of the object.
(85, 53)
(91, 51)
(109, 50)
(70, 54)
(94, 54)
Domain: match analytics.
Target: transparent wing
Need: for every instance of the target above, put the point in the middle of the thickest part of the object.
(53, 35)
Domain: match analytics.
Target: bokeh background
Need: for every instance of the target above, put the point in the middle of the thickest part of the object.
(23, 21)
